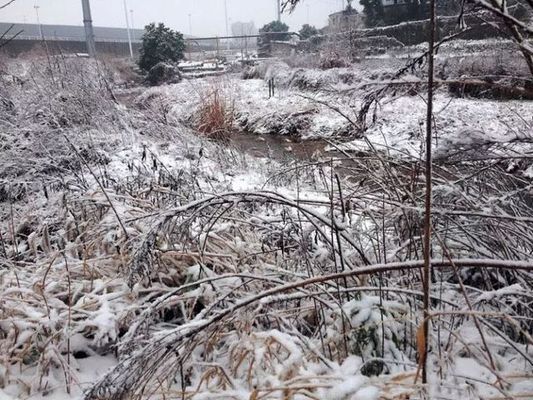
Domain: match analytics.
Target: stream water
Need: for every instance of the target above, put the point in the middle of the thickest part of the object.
(280, 148)
(286, 150)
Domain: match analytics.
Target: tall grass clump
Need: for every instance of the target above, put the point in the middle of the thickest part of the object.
(216, 114)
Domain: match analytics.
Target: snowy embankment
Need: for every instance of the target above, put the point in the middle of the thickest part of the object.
(138, 259)
(314, 104)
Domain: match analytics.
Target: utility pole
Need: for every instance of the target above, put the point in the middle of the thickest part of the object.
(89, 32)
(279, 10)
(228, 41)
(128, 27)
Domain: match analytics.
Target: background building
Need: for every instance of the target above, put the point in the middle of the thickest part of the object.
(68, 38)
(346, 20)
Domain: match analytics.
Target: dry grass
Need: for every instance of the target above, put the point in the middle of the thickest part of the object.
(207, 293)
(215, 116)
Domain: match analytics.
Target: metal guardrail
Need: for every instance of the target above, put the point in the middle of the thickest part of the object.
(116, 40)
(242, 36)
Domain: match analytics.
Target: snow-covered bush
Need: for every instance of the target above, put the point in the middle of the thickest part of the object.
(163, 73)
(331, 59)
(54, 100)
(372, 328)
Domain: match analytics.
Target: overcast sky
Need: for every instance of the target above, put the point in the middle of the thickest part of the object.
(207, 16)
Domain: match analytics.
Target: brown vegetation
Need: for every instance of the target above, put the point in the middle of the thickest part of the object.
(215, 116)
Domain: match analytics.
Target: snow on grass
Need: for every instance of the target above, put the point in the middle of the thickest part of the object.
(461, 124)
(87, 304)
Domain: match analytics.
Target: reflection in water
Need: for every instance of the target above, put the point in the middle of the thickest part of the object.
(281, 148)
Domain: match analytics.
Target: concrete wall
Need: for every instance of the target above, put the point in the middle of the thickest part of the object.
(360, 42)
(416, 32)
(19, 47)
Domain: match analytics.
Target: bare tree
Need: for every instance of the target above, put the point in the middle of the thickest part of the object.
(7, 4)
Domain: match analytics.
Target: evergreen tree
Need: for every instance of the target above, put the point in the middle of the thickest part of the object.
(307, 31)
(275, 26)
(373, 10)
(160, 44)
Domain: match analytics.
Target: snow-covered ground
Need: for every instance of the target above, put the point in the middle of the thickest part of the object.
(313, 104)
(138, 259)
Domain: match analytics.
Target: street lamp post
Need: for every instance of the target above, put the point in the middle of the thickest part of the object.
(132, 25)
(128, 27)
(227, 23)
(38, 20)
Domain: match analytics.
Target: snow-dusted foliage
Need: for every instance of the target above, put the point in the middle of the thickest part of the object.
(142, 261)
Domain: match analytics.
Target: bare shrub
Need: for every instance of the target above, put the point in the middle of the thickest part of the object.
(335, 52)
(124, 70)
(251, 72)
(331, 59)
(302, 60)
(491, 76)
(163, 73)
(263, 70)
(157, 106)
(47, 97)
(493, 88)
(489, 65)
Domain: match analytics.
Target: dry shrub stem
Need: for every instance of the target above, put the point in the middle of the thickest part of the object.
(104, 192)
(429, 193)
